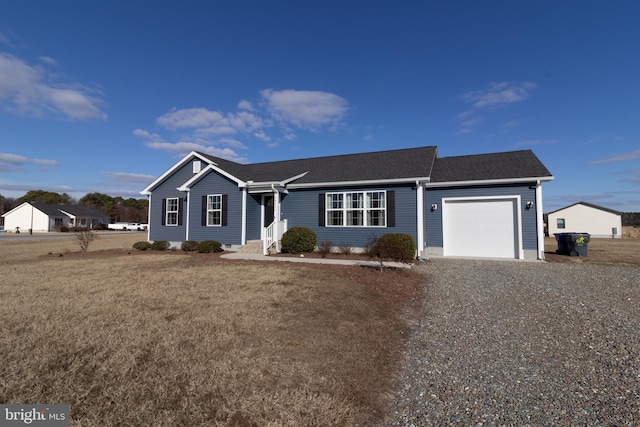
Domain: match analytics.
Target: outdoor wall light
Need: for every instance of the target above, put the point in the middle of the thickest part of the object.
(434, 207)
(529, 205)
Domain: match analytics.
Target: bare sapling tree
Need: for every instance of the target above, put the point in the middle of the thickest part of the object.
(84, 237)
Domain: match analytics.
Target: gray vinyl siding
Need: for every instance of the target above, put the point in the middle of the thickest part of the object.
(168, 189)
(229, 234)
(253, 216)
(433, 219)
(300, 208)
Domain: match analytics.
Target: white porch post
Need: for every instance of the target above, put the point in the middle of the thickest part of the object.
(539, 220)
(276, 217)
(420, 216)
(186, 219)
(148, 217)
(243, 237)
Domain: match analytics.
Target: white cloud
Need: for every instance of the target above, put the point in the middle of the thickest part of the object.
(48, 60)
(14, 159)
(205, 130)
(9, 161)
(263, 136)
(496, 95)
(26, 89)
(499, 94)
(472, 122)
(132, 178)
(309, 110)
(144, 134)
(184, 147)
(232, 142)
(194, 118)
(614, 158)
(464, 131)
(247, 122)
(46, 162)
(245, 105)
(533, 142)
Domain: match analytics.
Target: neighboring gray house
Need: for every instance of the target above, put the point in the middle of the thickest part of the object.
(487, 205)
(583, 217)
(43, 217)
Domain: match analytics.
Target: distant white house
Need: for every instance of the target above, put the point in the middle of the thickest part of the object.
(43, 217)
(583, 217)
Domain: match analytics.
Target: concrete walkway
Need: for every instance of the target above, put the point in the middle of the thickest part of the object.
(258, 257)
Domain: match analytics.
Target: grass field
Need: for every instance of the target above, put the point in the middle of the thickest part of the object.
(600, 251)
(169, 339)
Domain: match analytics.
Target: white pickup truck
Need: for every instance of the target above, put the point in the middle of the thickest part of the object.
(127, 226)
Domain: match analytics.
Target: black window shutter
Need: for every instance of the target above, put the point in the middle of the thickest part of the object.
(321, 209)
(204, 211)
(164, 211)
(180, 209)
(225, 198)
(391, 208)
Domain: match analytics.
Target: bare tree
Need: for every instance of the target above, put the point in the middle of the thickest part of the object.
(84, 236)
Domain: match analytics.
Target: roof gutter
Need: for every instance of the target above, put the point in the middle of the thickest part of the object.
(371, 182)
(488, 182)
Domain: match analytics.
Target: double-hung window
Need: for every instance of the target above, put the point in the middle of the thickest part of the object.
(214, 210)
(356, 209)
(171, 211)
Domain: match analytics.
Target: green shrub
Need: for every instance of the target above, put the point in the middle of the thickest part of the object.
(160, 245)
(142, 246)
(298, 239)
(209, 247)
(324, 248)
(397, 247)
(189, 246)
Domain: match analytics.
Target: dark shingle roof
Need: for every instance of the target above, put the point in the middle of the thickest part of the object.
(591, 205)
(381, 165)
(508, 165)
(75, 210)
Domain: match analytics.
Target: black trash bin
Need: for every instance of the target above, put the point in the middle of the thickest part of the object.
(573, 244)
(562, 245)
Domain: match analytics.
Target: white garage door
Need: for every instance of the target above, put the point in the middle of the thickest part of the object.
(481, 227)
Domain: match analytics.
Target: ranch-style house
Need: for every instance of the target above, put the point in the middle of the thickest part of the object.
(486, 205)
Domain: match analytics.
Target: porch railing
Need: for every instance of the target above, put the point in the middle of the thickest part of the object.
(271, 237)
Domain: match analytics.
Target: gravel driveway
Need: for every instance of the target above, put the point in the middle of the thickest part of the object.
(523, 343)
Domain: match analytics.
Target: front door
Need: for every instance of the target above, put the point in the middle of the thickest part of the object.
(268, 210)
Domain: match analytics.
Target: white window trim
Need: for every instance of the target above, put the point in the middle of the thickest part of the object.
(177, 211)
(214, 210)
(345, 209)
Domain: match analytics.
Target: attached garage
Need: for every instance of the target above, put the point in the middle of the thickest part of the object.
(482, 227)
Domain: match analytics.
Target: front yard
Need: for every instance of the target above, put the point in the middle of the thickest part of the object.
(130, 338)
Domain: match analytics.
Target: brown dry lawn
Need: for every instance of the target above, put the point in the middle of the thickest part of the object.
(169, 339)
(624, 251)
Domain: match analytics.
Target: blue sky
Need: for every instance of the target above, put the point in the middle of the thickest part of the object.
(100, 96)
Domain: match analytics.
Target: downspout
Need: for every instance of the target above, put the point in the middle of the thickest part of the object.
(539, 220)
(276, 216)
(243, 237)
(186, 199)
(420, 217)
(149, 218)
